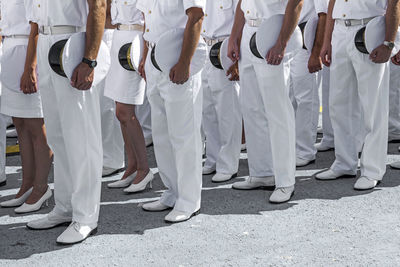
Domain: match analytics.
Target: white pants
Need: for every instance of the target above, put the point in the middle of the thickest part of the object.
(143, 114)
(3, 141)
(72, 119)
(222, 120)
(176, 120)
(356, 79)
(268, 116)
(304, 86)
(394, 102)
(328, 137)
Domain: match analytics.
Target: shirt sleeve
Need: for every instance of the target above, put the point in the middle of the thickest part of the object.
(194, 3)
(321, 6)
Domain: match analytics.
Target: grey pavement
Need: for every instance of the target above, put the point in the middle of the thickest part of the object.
(325, 224)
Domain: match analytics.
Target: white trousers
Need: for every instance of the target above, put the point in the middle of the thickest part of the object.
(394, 102)
(176, 120)
(72, 119)
(328, 137)
(304, 86)
(268, 116)
(3, 141)
(356, 79)
(143, 114)
(222, 120)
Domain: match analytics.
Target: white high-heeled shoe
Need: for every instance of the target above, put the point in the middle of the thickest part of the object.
(124, 182)
(16, 202)
(134, 188)
(25, 208)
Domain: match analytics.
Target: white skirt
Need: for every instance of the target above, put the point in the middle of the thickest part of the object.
(14, 102)
(124, 86)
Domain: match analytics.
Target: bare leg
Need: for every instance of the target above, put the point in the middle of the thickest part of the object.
(42, 158)
(130, 153)
(133, 136)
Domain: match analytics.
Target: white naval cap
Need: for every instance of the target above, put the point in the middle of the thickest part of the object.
(219, 55)
(130, 54)
(310, 31)
(167, 51)
(14, 59)
(267, 35)
(66, 55)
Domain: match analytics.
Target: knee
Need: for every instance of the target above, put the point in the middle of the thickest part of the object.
(124, 115)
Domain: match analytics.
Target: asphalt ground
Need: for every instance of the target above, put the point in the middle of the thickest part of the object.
(325, 224)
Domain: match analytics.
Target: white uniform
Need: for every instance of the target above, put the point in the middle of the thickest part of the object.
(3, 137)
(113, 143)
(15, 28)
(394, 103)
(72, 118)
(222, 119)
(267, 110)
(175, 112)
(354, 77)
(305, 86)
(143, 114)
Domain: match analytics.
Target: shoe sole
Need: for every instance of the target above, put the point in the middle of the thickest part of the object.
(395, 168)
(326, 150)
(114, 172)
(273, 202)
(191, 216)
(55, 226)
(170, 208)
(93, 232)
(357, 189)
(4, 183)
(210, 173)
(269, 188)
(218, 182)
(347, 176)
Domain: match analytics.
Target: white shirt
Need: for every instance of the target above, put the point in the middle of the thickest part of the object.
(125, 12)
(13, 19)
(58, 12)
(218, 18)
(312, 7)
(263, 9)
(163, 15)
(359, 9)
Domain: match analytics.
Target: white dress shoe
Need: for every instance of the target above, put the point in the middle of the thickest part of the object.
(395, 165)
(208, 171)
(176, 216)
(321, 147)
(134, 188)
(282, 194)
(16, 202)
(25, 208)
(123, 182)
(107, 171)
(50, 221)
(255, 183)
(155, 206)
(220, 177)
(364, 183)
(320, 130)
(243, 147)
(148, 141)
(76, 233)
(303, 162)
(331, 175)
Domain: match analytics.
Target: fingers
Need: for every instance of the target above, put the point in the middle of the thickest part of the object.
(74, 78)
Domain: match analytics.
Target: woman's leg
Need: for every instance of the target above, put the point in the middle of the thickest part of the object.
(42, 156)
(27, 156)
(134, 139)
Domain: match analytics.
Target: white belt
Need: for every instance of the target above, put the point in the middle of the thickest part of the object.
(211, 42)
(353, 22)
(130, 27)
(17, 36)
(254, 22)
(55, 30)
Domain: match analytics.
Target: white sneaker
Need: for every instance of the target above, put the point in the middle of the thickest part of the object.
(155, 206)
(220, 177)
(176, 216)
(364, 183)
(303, 162)
(50, 221)
(123, 182)
(148, 141)
(255, 183)
(395, 165)
(107, 171)
(331, 175)
(321, 147)
(208, 171)
(16, 202)
(148, 180)
(76, 233)
(282, 194)
(25, 208)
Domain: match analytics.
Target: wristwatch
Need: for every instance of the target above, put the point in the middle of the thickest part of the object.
(92, 63)
(388, 44)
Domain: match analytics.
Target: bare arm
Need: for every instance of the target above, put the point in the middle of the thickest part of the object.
(142, 64)
(326, 51)
(180, 72)
(315, 63)
(236, 34)
(29, 79)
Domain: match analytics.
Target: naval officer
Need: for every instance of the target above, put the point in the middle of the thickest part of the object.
(72, 116)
